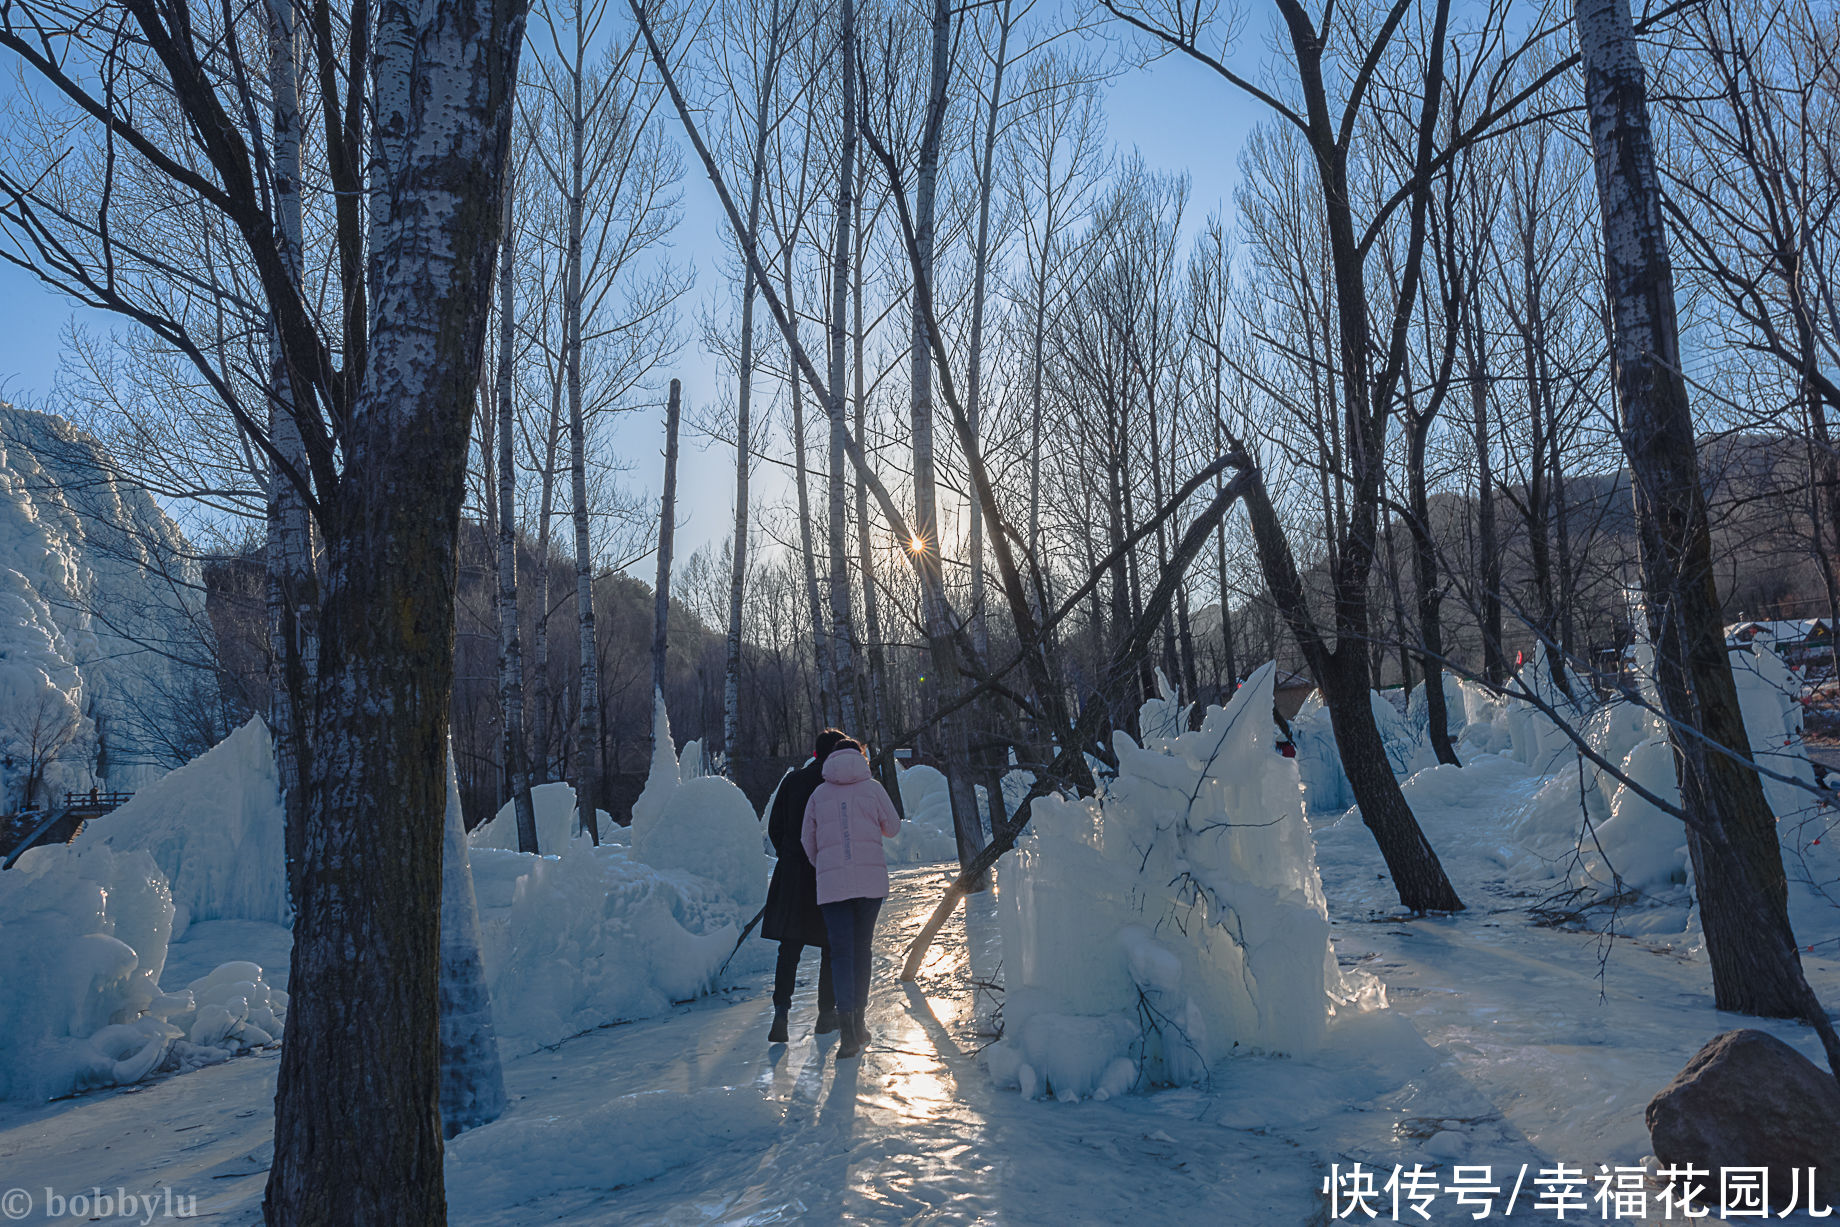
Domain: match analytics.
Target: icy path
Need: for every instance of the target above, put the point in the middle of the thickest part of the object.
(911, 1132)
(1507, 1044)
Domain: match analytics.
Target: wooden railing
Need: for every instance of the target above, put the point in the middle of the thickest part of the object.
(95, 801)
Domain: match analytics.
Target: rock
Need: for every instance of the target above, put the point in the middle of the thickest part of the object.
(1749, 1100)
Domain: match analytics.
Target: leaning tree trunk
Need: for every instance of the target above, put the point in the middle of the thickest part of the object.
(1731, 833)
(510, 637)
(1343, 676)
(667, 523)
(357, 1104)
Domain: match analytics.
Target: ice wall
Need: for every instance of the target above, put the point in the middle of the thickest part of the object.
(1175, 919)
(102, 631)
(216, 829)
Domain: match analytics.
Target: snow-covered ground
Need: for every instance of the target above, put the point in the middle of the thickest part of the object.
(1504, 1043)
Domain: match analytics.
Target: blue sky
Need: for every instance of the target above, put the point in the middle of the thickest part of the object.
(1178, 114)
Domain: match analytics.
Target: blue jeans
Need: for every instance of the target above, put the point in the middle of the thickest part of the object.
(852, 928)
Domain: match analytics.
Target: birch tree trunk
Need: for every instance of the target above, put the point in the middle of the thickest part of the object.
(872, 619)
(974, 368)
(510, 636)
(292, 577)
(667, 524)
(1731, 833)
(588, 712)
(546, 513)
(953, 732)
(744, 425)
(843, 667)
(357, 1117)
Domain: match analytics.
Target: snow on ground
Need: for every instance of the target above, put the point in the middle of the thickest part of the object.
(1506, 1041)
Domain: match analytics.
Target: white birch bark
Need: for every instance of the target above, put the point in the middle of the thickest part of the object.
(843, 667)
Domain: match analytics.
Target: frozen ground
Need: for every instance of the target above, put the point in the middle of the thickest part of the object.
(1506, 1043)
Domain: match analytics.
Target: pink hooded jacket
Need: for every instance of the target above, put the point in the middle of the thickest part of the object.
(845, 821)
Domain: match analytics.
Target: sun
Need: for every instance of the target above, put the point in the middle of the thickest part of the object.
(916, 544)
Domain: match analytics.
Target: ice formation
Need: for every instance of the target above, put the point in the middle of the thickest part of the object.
(707, 827)
(665, 773)
(472, 1082)
(557, 821)
(926, 833)
(591, 937)
(1175, 919)
(1319, 762)
(216, 829)
(83, 557)
(86, 941)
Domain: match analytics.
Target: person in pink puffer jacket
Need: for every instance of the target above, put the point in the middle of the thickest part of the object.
(846, 820)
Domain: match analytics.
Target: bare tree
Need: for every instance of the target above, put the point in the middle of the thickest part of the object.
(1731, 833)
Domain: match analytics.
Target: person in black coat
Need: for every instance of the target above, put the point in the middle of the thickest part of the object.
(792, 917)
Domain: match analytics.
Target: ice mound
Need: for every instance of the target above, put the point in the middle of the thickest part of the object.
(590, 937)
(1175, 919)
(926, 833)
(555, 808)
(708, 827)
(86, 940)
(216, 829)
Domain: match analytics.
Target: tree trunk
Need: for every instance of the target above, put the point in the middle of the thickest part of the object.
(546, 506)
(1430, 600)
(954, 736)
(357, 1103)
(843, 656)
(1494, 663)
(1731, 833)
(744, 426)
(510, 638)
(667, 524)
(1343, 677)
(974, 372)
(808, 549)
(291, 570)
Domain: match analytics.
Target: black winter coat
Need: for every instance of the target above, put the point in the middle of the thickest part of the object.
(792, 899)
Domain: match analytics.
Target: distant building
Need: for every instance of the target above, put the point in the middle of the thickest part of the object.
(1796, 640)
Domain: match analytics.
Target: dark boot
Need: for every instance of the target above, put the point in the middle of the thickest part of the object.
(778, 1034)
(827, 1022)
(852, 1044)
